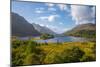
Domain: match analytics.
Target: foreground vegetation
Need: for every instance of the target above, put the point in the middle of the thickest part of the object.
(83, 33)
(30, 52)
(46, 36)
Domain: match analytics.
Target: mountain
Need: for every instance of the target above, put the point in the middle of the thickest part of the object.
(21, 27)
(43, 29)
(83, 30)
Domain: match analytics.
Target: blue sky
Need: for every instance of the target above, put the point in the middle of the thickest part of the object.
(57, 17)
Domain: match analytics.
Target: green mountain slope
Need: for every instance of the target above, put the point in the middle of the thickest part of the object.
(84, 30)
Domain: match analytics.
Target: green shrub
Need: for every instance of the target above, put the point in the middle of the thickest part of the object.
(68, 55)
(87, 58)
(25, 52)
(73, 54)
(46, 36)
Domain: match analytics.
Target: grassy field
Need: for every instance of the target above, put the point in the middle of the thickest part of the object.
(29, 52)
(88, 49)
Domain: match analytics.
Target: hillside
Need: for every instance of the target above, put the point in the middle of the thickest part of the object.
(21, 27)
(83, 30)
(43, 29)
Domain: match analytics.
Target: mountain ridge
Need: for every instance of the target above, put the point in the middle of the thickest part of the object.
(83, 30)
(21, 27)
(43, 29)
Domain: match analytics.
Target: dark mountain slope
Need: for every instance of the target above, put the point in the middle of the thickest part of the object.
(21, 27)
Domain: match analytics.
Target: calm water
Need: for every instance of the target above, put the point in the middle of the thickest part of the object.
(58, 39)
(62, 39)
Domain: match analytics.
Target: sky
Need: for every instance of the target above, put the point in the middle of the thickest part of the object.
(57, 17)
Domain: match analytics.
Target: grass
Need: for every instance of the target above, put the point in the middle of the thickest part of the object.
(29, 52)
(87, 47)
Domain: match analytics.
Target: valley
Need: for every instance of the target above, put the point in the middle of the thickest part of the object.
(41, 45)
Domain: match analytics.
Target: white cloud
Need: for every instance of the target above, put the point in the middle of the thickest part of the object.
(60, 30)
(65, 29)
(57, 29)
(44, 17)
(50, 4)
(51, 9)
(47, 26)
(39, 10)
(82, 14)
(63, 7)
(41, 24)
(49, 18)
(52, 18)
